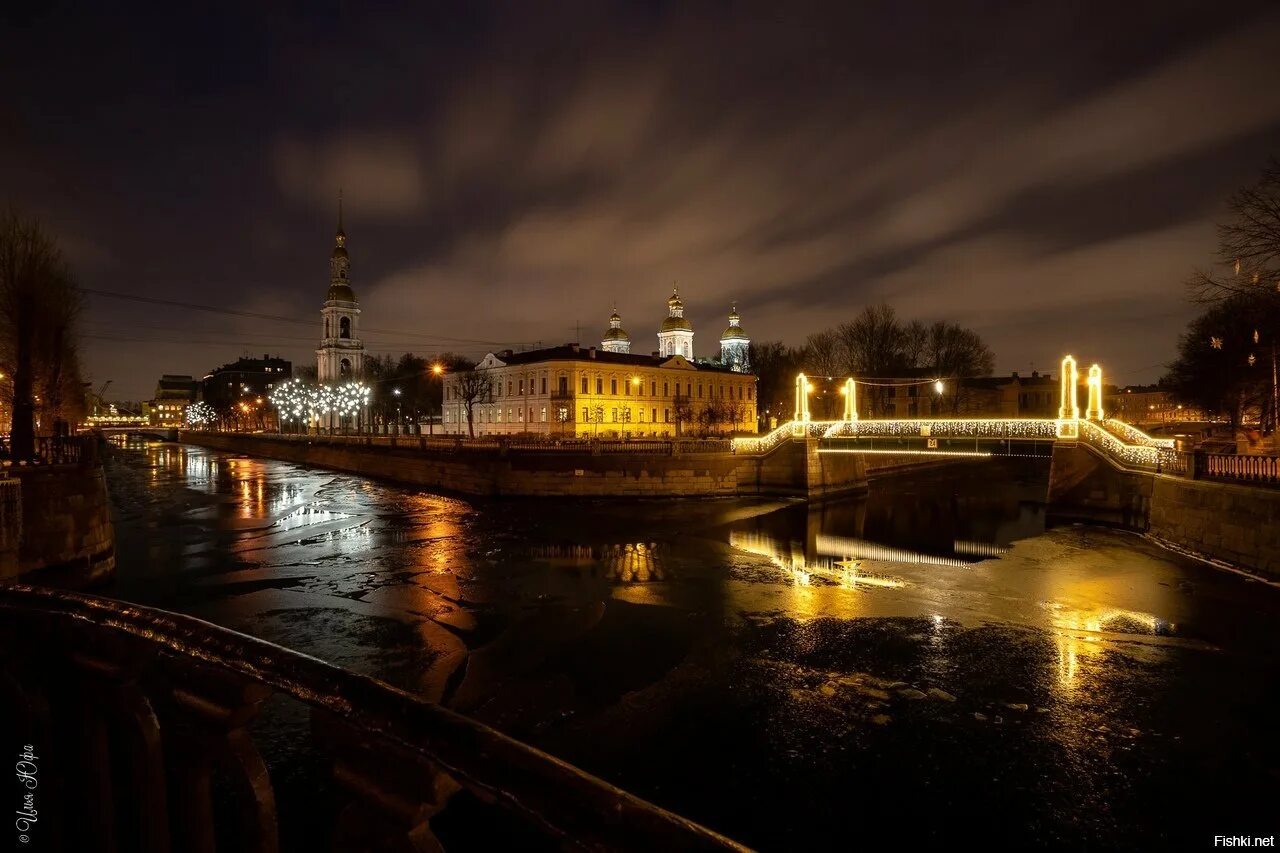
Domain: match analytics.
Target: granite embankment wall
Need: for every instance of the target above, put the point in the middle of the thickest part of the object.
(59, 519)
(534, 473)
(1232, 523)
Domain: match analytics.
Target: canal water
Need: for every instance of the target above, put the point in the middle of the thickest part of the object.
(927, 665)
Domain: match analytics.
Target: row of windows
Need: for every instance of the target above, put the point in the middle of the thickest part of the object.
(513, 415)
(634, 387)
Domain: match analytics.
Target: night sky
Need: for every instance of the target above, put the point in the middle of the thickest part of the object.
(1047, 175)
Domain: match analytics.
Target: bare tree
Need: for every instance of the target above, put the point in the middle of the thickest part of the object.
(474, 386)
(954, 352)
(822, 351)
(873, 345)
(1248, 243)
(39, 303)
(915, 343)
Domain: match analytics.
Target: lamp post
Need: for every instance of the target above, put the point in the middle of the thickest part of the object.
(396, 392)
(437, 370)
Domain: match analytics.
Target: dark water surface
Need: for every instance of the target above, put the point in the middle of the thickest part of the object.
(928, 665)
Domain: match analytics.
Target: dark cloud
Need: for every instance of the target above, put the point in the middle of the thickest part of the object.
(1048, 175)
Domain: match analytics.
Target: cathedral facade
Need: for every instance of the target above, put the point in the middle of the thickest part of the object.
(340, 357)
(585, 392)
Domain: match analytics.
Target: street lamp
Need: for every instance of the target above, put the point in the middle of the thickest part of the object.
(437, 369)
(396, 392)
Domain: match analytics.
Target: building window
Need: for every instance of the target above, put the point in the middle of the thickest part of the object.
(599, 385)
(654, 418)
(665, 390)
(521, 387)
(584, 385)
(510, 386)
(564, 386)
(699, 390)
(544, 412)
(666, 415)
(344, 327)
(522, 414)
(613, 387)
(585, 414)
(749, 390)
(544, 385)
(653, 389)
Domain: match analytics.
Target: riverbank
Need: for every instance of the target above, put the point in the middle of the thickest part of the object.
(792, 469)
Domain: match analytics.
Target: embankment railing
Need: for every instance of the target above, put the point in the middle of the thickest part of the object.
(143, 724)
(1244, 469)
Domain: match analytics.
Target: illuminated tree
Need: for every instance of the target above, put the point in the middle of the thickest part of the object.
(1214, 371)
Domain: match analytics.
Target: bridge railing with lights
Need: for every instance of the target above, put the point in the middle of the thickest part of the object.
(1132, 435)
(1144, 456)
(147, 730)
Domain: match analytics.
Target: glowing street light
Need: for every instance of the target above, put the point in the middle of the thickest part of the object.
(939, 387)
(437, 369)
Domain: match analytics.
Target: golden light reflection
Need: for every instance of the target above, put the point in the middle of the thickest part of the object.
(844, 570)
(1082, 635)
(629, 563)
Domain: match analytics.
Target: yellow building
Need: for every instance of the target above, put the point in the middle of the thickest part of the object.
(574, 391)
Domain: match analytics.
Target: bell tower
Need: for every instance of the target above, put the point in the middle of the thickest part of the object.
(675, 336)
(340, 357)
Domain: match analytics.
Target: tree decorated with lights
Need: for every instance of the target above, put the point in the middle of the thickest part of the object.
(200, 414)
(297, 402)
(1234, 346)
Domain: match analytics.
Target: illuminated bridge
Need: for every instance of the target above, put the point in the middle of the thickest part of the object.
(1120, 443)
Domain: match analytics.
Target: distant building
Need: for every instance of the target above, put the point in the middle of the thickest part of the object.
(230, 384)
(916, 394)
(173, 395)
(1148, 404)
(572, 391)
(340, 357)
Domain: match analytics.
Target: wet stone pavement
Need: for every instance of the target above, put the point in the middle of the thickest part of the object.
(928, 665)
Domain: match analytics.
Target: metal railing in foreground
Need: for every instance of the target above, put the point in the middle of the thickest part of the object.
(143, 724)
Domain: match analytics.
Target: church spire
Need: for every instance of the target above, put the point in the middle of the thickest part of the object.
(340, 237)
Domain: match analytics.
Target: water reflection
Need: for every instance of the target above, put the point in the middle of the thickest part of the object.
(1081, 634)
(628, 563)
(899, 524)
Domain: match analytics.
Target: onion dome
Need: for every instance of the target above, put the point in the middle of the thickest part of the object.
(615, 331)
(341, 293)
(735, 331)
(675, 321)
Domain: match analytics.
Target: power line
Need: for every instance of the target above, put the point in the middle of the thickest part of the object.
(257, 315)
